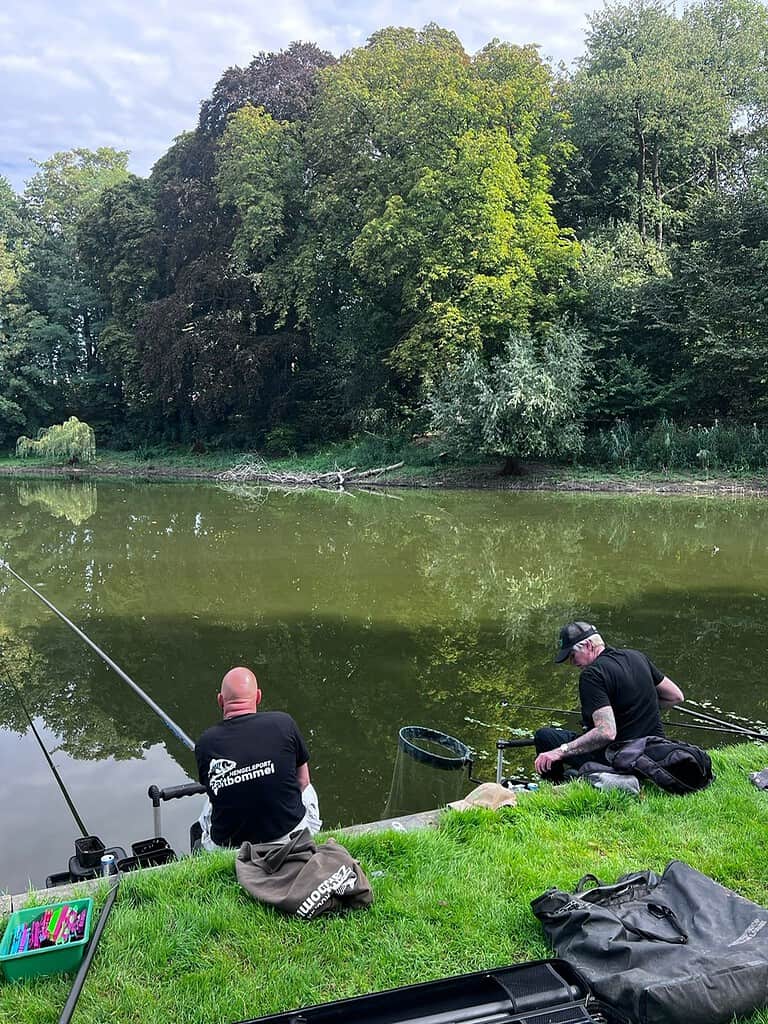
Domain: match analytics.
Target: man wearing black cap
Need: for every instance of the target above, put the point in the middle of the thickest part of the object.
(621, 693)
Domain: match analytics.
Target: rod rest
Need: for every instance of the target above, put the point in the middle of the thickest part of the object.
(156, 794)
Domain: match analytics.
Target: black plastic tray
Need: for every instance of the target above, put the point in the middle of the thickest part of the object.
(128, 864)
(153, 860)
(79, 873)
(60, 878)
(148, 846)
(540, 992)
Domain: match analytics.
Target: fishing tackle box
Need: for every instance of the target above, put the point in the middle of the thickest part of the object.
(539, 992)
(31, 963)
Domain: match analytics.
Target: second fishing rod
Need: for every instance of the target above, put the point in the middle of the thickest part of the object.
(717, 724)
(177, 731)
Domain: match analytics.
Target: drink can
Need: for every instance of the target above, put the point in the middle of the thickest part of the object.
(108, 864)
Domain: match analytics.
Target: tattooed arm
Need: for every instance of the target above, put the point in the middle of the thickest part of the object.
(602, 733)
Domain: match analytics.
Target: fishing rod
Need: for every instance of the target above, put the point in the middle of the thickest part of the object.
(733, 730)
(719, 721)
(51, 765)
(175, 729)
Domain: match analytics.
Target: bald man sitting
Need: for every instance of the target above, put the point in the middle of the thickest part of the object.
(255, 769)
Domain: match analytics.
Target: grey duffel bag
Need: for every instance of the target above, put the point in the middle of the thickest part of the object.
(675, 949)
(303, 878)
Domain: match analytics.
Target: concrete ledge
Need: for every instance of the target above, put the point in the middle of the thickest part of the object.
(405, 823)
(41, 897)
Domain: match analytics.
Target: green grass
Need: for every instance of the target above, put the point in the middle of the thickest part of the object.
(187, 945)
(423, 466)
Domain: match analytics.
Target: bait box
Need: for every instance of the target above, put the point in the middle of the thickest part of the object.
(128, 864)
(48, 959)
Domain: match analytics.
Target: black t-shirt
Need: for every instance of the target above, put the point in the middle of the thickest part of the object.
(626, 680)
(248, 766)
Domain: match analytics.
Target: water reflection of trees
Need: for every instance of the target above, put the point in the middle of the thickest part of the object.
(90, 720)
(363, 614)
(72, 500)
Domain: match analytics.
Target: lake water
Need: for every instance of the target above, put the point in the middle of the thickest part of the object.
(360, 613)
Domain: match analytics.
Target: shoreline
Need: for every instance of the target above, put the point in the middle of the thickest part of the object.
(484, 477)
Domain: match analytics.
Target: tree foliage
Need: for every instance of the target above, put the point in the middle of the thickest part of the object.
(451, 239)
(657, 106)
(523, 403)
(339, 239)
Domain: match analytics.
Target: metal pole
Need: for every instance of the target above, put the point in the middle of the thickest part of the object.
(77, 987)
(177, 732)
(502, 745)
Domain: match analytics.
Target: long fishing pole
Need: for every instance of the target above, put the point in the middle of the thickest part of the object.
(175, 729)
(719, 721)
(730, 730)
(48, 758)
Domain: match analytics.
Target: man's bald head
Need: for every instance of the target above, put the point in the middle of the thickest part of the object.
(240, 693)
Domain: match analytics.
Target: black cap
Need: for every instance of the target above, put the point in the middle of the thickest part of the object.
(571, 635)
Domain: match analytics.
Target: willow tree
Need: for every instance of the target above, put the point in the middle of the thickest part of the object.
(68, 441)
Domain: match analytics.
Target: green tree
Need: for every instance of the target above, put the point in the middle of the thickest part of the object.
(639, 369)
(425, 217)
(56, 283)
(217, 360)
(524, 403)
(22, 378)
(714, 306)
(118, 241)
(647, 115)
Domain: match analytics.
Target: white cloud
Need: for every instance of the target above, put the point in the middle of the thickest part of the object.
(133, 75)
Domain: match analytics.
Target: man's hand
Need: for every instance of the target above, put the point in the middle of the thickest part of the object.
(544, 761)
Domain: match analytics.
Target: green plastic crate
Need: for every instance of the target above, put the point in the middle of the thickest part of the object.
(49, 959)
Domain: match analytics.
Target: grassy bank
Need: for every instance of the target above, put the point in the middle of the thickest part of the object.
(187, 945)
(423, 467)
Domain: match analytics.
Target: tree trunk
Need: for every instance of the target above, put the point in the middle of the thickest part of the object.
(641, 151)
(656, 173)
(512, 466)
(714, 169)
(88, 344)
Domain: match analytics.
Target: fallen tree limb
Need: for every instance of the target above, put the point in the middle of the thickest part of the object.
(380, 469)
(254, 469)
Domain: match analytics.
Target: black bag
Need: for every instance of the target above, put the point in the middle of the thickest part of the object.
(679, 949)
(673, 766)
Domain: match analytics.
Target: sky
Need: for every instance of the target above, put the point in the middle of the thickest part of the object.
(132, 75)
